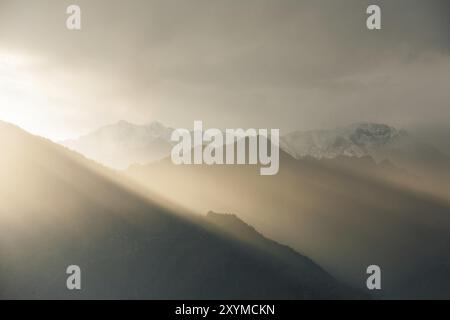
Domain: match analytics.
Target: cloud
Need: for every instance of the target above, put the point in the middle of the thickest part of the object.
(289, 63)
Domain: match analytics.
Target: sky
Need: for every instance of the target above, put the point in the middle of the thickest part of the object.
(288, 64)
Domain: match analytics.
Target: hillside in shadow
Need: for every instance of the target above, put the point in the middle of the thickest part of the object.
(345, 213)
(59, 209)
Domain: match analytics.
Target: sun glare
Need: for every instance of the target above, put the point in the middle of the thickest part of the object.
(21, 99)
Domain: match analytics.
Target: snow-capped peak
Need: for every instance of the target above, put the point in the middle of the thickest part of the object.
(354, 140)
(123, 143)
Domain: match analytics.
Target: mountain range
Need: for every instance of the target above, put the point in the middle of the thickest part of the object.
(380, 142)
(356, 140)
(122, 144)
(58, 208)
(349, 197)
(346, 213)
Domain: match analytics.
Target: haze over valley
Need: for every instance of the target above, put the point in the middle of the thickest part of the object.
(357, 121)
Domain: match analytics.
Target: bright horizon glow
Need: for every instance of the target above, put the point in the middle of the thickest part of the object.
(53, 102)
(21, 98)
(37, 97)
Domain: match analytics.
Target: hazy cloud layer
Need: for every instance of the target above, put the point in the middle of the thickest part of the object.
(254, 63)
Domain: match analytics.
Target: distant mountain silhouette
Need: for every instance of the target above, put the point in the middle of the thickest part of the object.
(345, 213)
(379, 141)
(357, 140)
(58, 209)
(122, 144)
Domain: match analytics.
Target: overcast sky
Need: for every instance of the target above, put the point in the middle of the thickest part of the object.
(288, 64)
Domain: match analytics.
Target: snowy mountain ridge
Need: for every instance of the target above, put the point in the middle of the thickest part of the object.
(356, 140)
(121, 144)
